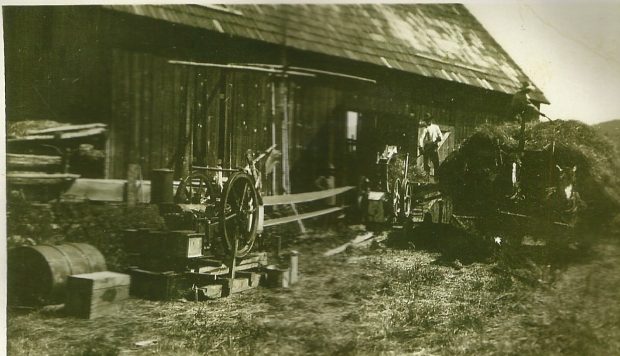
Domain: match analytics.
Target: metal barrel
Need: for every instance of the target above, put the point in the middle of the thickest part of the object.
(38, 274)
(161, 186)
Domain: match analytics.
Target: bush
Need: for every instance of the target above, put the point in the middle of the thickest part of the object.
(100, 225)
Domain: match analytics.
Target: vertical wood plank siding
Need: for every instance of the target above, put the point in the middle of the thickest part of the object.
(97, 66)
(156, 104)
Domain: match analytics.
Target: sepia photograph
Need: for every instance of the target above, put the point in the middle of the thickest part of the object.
(316, 178)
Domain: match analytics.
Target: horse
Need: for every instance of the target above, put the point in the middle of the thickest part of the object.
(563, 200)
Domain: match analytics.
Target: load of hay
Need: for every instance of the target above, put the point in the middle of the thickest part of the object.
(479, 174)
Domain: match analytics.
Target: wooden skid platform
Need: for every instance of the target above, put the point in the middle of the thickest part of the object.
(208, 279)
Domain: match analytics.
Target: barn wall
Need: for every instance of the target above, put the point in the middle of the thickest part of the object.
(162, 111)
(85, 64)
(54, 65)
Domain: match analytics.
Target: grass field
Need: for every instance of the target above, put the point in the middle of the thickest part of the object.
(390, 298)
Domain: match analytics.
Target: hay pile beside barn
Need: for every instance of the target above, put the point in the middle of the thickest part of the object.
(479, 175)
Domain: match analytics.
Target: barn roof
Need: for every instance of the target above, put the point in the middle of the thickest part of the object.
(443, 41)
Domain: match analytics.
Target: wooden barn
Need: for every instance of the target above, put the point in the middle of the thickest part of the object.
(329, 84)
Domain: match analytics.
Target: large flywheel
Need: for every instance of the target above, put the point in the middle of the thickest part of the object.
(239, 214)
(194, 189)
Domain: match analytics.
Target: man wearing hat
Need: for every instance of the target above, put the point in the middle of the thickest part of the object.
(521, 105)
(429, 142)
(523, 109)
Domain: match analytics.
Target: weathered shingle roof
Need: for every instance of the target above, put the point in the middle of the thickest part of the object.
(442, 41)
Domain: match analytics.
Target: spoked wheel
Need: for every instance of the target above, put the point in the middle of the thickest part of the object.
(406, 199)
(239, 214)
(396, 197)
(194, 189)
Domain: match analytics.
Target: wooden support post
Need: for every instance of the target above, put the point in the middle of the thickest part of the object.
(274, 181)
(187, 129)
(133, 171)
(286, 183)
(233, 269)
(302, 228)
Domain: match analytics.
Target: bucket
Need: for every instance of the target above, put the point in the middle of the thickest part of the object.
(161, 186)
(38, 274)
(277, 277)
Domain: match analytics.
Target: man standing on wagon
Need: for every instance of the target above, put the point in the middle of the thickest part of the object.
(523, 110)
(429, 143)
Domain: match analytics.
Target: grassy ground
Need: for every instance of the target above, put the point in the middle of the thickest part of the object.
(389, 298)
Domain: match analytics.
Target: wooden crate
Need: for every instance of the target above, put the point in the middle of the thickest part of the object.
(183, 244)
(158, 285)
(92, 295)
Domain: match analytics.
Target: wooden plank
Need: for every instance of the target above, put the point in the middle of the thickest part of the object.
(125, 117)
(146, 119)
(291, 218)
(189, 118)
(356, 241)
(62, 136)
(100, 280)
(111, 190)
(21, 161)
(228, 118)
(36, 178)
(168, 119)
(181, 113)
(65, 128)
(135, 95)
(110, 148)
(303, 197)
(156, 117)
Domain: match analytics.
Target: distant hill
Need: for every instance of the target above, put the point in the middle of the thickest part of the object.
(611, 129)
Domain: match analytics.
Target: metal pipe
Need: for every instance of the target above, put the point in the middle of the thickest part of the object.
(217, 169)
(311, 70)
(242, 67)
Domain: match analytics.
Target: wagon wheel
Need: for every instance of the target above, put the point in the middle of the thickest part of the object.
(239, 214)
(396, 197)
(406, 199)
(194, 189)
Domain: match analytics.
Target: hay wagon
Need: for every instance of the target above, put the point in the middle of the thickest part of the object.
(533, 195)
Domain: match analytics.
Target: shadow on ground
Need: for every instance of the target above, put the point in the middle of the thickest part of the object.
(459, 247)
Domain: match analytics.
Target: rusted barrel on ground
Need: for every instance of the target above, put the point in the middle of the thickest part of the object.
(161, 186)
(38, 274)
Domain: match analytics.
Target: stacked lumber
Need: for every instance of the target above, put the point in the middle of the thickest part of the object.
(44, 157)
(28, 162)
(61, 132)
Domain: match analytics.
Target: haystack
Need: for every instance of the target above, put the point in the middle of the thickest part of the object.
(478, 175)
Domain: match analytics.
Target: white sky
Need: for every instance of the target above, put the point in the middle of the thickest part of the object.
(570, 49)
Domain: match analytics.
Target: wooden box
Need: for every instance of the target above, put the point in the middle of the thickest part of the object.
(376, 212)
(92, 295)
(158, 285)
(184, 244)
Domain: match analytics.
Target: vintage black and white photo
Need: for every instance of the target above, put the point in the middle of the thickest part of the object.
(312, 179)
